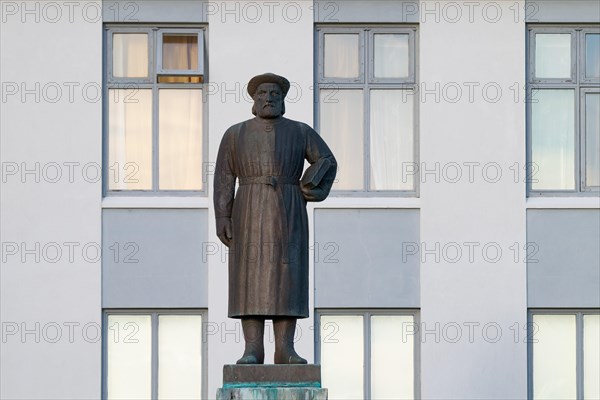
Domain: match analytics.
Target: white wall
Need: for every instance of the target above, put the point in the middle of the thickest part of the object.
(56, 296)
(488, 50)
(244, 42)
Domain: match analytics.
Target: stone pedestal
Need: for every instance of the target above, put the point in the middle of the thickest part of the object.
(272, 382)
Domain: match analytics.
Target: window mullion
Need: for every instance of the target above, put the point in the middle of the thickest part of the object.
(579, 354)
(367, 355)
(154, 356)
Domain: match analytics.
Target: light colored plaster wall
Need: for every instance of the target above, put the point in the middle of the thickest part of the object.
(245, 41)
(472, 306)
(50, 274)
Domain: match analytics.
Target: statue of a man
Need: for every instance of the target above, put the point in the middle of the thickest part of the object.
(265, 224)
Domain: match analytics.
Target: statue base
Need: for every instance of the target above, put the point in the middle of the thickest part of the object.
(271, 382)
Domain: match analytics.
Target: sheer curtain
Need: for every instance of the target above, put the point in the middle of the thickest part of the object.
(592, 139)
(553, 55)
(341, 55)
(130, 139)
(392, 357)
(591, 356)
(180, 52)
(391, 139)
(391, 55)
(554, 357)
(179, 357)
(130, 55)
(129, 349)
(180, 139)
(341, 125)
(553, 135)
(342, 358)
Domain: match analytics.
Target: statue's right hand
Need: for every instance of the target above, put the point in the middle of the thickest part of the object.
(224, 230)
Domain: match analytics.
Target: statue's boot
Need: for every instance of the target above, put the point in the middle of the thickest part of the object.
(254, 331)
(284, 342)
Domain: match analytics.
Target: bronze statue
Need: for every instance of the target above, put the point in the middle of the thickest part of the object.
(265, 224)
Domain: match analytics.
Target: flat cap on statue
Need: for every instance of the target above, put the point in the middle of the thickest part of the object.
(268, 77)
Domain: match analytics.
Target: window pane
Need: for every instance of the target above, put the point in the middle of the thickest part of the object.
(592, 55)
(391, 56)
(592, 139)
(341, 125)
(342, 358)
(179, 356)
(554, 357)
(129, 347)
(391, 139)
(553, 151)
(130, 139)
(180, 139)
(130, 55)
(341, 56)
(392, 359)
(591, 356)
(553, 55)
(180, 52)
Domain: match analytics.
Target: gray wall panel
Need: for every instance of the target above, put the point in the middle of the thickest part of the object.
(170, 271)
(577, 11)
(567, 273)
(394, 11)
(359, 258)
(162, 11)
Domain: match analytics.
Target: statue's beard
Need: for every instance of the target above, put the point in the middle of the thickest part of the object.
(269, 112)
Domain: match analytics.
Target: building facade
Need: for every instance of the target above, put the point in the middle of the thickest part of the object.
(457, 256)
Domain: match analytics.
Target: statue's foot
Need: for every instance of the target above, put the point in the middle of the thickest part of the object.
(288, 357)
(250, 359)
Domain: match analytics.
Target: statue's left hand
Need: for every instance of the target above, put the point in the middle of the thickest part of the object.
(224, 230)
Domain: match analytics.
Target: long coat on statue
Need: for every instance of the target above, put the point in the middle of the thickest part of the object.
(268, 256)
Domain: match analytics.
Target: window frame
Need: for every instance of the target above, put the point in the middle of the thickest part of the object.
(582, 49)
(154, 314)
(366, 83)
(182, 32)
(367, 313)
(109, 82)
(579, 313)
(579, 86)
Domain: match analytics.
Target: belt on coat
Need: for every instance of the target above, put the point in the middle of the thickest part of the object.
(269, 180)
(274, 181)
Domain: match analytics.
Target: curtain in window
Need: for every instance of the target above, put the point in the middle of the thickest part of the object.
(554, 357)
(129, 350)
(180, 139)
(592, 139)
(390, 55)
(130, 55)
(391, 139)
(341, 125)
(341, 55)
(180, 52)
(553, 135)
(130, 139)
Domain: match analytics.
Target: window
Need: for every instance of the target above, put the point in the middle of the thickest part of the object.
(564, 111)
(367, 355)
(154, 110)
(366, 113)
(154, 355)
(564, 354)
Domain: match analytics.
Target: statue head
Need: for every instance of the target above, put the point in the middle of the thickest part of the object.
(268, 91)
